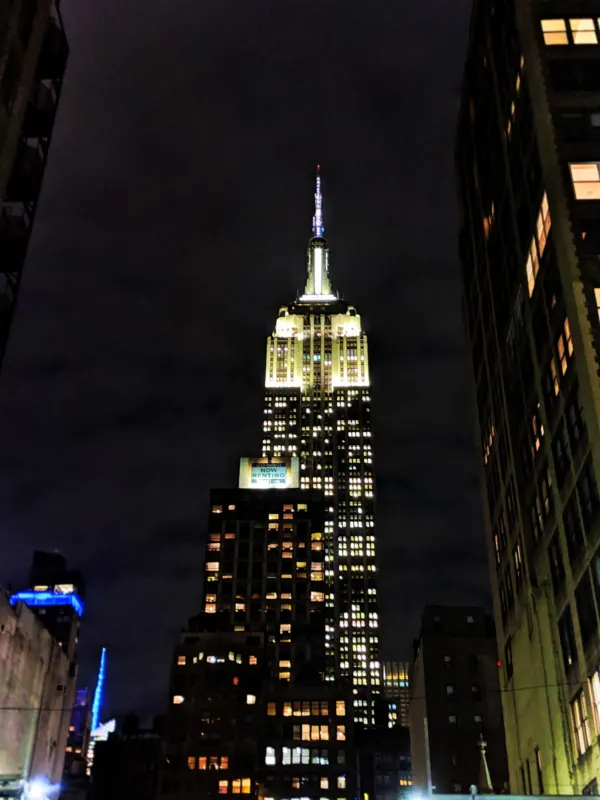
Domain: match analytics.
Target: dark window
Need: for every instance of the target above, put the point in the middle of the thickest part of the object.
(448, 662)
(449, 689)
(573, 529)
(475, 692)
(584, 600)
(508, 661)
(473, 661)
(560, 450)
(567, 639)
(557, 569)
(575, 423)
(588, 494)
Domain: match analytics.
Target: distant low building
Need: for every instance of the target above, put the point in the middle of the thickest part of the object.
(455, 700)
(397, 691)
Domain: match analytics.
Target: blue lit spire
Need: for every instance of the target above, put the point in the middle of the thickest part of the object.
(99, 693)
(317, 226)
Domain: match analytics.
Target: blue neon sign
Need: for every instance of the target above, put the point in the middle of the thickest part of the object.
(48, 599)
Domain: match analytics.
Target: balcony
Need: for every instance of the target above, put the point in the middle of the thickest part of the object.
(41, 111)
(55, 51)
(27, 173)
(14, 237)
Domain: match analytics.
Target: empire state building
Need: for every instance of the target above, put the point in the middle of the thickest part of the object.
(318, 409)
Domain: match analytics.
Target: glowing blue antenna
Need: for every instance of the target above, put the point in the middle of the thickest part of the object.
(318, 227)
(99, 693)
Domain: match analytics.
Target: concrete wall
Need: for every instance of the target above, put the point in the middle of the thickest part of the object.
(34, 712)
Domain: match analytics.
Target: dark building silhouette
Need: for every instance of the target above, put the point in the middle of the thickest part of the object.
(528, 156)
(455, 699)
(33, 57)
(385, 760)
(126, 764)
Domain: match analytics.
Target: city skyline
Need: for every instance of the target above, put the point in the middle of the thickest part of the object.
(156, 331)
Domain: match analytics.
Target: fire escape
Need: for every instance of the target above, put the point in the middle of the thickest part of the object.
(18, 207)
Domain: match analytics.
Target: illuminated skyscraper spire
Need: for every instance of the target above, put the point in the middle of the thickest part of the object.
(318, 286)
(318, 227)
(99, 693)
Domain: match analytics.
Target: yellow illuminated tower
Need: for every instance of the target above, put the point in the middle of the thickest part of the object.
(318, 407)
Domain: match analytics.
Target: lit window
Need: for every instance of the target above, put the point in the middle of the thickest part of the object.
(554, 31)
(231, 508)
(253, 661)
(223, 787)
(180, 663)
(583, 31)
(341, 782)
(532, 267)
(586, 180)
(178, 699)
(217, 509)
(191, 762)
(271, 709)
(543, 224)
(595, 692)
(250, 699)
(212, 566)
(341, 733)
(324, 783)
(210, 608)
(202, 762)
(246, 785)
(270, 756)
(340, 708)
(580, 723)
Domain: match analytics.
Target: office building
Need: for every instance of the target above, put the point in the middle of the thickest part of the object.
(455, 701)
(528, 156)
(38, 668)
(397, 691)
(265, 571)
(214, 717)
(33, 57)
(318, 408)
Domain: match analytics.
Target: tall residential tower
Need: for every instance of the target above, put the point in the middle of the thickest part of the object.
(318, 408)
(528, 160)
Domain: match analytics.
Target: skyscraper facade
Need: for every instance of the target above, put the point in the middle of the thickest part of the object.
(318, 408)
(33, 58)
(528, 159)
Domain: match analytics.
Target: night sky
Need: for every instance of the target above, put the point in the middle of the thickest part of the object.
(173, 223)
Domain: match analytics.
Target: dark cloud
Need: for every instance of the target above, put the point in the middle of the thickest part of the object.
(172, 225)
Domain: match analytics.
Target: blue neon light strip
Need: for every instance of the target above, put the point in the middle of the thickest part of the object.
(49, 599)
(98, 694)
